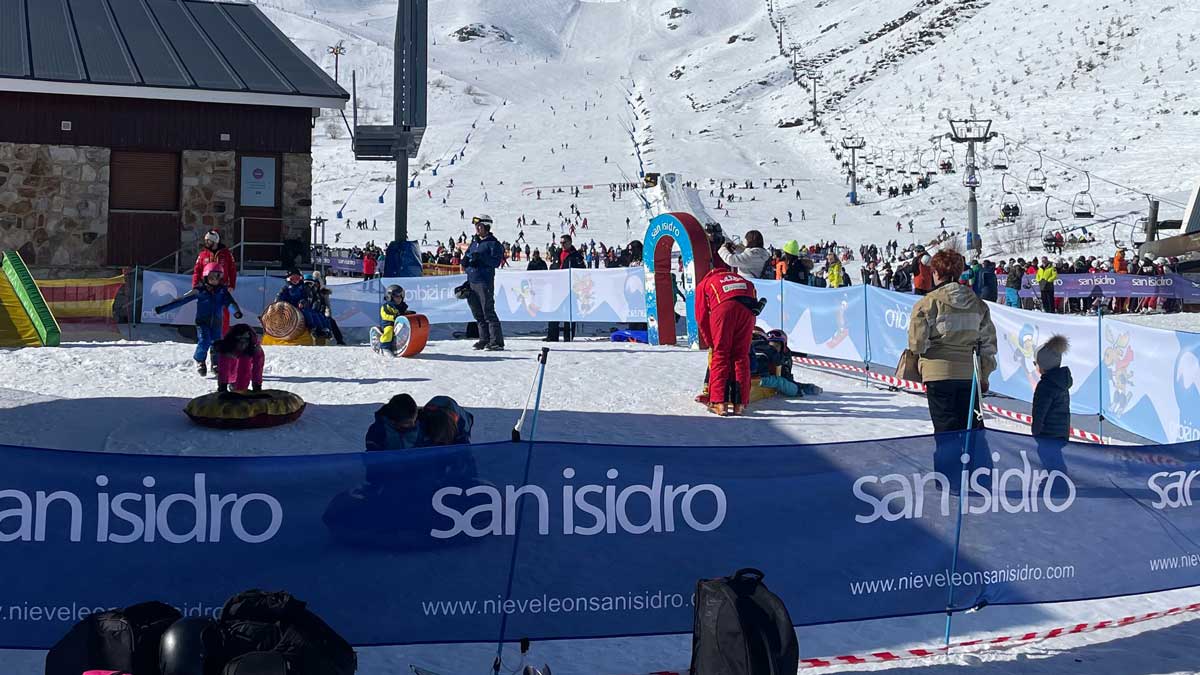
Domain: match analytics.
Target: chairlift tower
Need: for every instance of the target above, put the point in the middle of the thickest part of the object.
(400, 140)
(853, 144)
(971, 131)
(814, 76)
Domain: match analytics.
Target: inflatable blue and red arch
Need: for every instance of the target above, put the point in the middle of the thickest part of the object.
(663, 282)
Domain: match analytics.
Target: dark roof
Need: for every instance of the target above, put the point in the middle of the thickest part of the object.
(175, 49)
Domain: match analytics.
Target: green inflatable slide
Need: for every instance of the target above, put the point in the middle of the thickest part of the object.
(25, 318)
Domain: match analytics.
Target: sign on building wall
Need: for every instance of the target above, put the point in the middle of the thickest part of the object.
(258, 182)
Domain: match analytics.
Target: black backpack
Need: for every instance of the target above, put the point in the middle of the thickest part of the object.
(120, 639)
(261, 621)
(741, 628)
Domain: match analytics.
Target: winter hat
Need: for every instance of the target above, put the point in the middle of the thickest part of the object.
(792, 247)
(212, 236)
(1049, 356)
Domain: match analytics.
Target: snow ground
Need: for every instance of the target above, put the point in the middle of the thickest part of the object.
(127, 396)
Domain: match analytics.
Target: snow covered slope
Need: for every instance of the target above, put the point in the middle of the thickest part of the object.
(554, 87)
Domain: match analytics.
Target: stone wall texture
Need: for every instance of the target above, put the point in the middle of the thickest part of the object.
(297, 196)
(207, 196)
(54, 203)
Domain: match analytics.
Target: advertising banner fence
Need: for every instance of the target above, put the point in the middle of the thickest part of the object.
(1145, 380)
(1110, 285)
(417, 546)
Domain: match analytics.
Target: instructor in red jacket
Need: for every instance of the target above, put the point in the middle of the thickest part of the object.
(213, 251)
(726, 304)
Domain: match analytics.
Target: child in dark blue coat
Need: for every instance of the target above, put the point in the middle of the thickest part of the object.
(1052, 403)
(299, 291)
(212, 296)
(1052, 397)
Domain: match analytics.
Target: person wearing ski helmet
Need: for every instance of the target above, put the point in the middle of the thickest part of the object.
(212, 297)
(299, 292)
(213, 251)
(480, 260)
(393, 308)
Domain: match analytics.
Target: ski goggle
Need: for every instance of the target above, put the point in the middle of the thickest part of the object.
(479, 221)
(215, 273)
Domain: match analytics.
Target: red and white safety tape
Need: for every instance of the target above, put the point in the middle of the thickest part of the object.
(917, 387)
(968, 646)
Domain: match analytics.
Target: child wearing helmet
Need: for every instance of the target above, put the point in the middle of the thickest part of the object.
(299, 292)
(211, 297)
(393, 308)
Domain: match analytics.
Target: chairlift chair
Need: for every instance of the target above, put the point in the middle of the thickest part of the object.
(1010, 206)
(1000, 160)
(1036, 180)
(1083, 206)
(1049, 226)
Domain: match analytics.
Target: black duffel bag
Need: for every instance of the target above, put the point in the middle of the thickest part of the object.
(252, 620)
(120, 639)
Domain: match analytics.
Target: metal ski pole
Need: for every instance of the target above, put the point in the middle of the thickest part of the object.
(512, 564)
(533, 384)
(976, 391)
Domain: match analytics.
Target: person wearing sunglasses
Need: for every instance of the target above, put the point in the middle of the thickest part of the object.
(480, 260)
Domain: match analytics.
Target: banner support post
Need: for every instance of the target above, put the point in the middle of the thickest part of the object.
(1100, 362)
(133, 303)
(512, 565)
(867, 346)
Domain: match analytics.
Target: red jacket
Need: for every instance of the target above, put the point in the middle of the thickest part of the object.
(368, 264)
(717, 287)
(223, 257)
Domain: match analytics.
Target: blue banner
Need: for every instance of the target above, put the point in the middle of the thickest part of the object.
(415, 546)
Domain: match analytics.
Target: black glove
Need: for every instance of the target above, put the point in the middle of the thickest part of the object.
(158, 309)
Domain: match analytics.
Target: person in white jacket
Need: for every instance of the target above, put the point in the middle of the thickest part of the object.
(750, 260)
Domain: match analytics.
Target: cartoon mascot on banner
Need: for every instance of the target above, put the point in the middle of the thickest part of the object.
(1118, 363)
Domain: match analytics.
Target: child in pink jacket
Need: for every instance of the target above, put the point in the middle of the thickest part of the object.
(240, 363)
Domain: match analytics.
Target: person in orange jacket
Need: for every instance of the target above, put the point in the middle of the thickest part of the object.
(726, 304)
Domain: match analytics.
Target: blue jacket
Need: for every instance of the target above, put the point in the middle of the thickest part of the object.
(383, 436)
(991, 285)
(1052, 404)
(294, 295)
(210, 303)
(482, 258)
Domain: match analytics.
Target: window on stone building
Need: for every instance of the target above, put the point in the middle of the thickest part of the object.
(144, 181)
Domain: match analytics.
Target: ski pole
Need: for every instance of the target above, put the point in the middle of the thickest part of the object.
(975, 391)
(512, 564)
(535, 383)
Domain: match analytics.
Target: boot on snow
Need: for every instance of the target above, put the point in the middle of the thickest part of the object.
(202, 368)
(480, 346)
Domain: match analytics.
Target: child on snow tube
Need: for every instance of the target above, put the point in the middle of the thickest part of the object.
(302, 296)
(240, 360)
(211, 297)
(393, 308)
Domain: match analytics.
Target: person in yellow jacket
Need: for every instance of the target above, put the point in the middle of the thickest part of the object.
(1046, 276)
(835, 277)
(392, 309)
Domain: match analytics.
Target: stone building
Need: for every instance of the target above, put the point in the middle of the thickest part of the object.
(128, 128)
